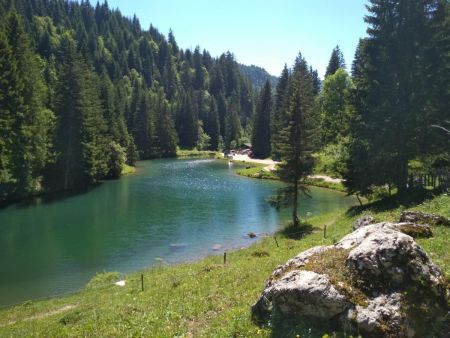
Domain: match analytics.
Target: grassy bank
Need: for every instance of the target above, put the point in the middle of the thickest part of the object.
(197, 153)
(127, 169)
(320, 182)
(254, 170)
(204, 298)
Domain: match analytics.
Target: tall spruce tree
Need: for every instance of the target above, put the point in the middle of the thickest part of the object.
(391, 89)
(336, 61)
(279, 118)
(166, 136)
(27, 122)
(261, 124)
(81, 127)
(296, 144)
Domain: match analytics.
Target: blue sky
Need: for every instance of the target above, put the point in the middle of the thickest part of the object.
(264, 33)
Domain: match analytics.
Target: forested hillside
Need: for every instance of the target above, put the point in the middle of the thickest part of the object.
(257, 75)
(85, 90)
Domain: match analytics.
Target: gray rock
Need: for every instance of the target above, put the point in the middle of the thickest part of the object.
(383, 316)
(384, 265)
(414, 230)
(303, 293)
(419, 217)
(363, 221)
(296, 263)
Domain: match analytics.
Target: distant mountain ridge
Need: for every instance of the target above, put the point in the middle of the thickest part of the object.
(258, 75)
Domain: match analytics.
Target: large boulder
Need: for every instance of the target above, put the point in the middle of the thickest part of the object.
(376, 280)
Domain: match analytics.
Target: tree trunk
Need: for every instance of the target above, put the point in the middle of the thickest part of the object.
(295, 220)
(402, 184)
(359, 200)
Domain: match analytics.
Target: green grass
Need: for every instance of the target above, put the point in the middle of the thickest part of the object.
(320, 182)
(199, 299)
(197, 153)
(127, 169)
(254, 170)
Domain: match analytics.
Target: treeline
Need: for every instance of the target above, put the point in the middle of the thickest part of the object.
(85, 90)
(372, 125)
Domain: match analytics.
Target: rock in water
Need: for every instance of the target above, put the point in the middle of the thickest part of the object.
(216, 247)
(377, 281)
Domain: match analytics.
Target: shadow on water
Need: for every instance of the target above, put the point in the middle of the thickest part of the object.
(48, 197)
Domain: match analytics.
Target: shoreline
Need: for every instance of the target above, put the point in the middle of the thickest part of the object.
(201, 298)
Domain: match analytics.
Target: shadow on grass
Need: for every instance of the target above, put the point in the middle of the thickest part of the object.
(297, 232)
(410, 198)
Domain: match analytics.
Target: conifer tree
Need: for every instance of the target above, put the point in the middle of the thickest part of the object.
(28, 123)
(261, 124)
(233, 127)
(279, 120)
(296, 140)
(187, 122)
(165, 129)
(336, 61)
(212, 126)
(391, 88)
(81, 128)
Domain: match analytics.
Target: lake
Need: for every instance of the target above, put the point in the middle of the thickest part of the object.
(169, 211)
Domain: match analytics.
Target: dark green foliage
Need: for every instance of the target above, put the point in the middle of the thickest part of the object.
(279, 119)
(396, 97)
(296, 140)
(165, 141)
(259, 76)
(104, 75)
(336, 61)
(81, 127)
(261, 125)
(187, 122)
(25, 145)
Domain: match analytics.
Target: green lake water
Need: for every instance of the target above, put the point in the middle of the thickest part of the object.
(169, 211)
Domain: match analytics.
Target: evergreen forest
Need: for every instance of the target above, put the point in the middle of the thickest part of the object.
(85, 90)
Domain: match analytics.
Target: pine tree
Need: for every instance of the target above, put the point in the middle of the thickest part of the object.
(213, 126)
(32, 123)
(10, 101)
(296, 140)
(391, 90)
(261, 125)
(279, 120)
(187, 122)
(165, 129)
(233, 127)
(336, 61)
(81, 127)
